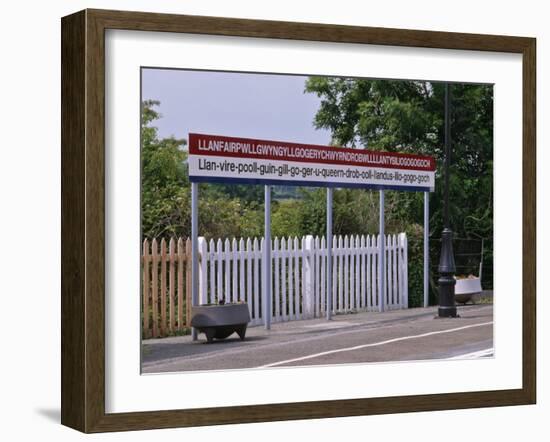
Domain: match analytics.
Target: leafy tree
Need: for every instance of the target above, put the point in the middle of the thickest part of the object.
(164, 181)
(224, 210)
(408, 116)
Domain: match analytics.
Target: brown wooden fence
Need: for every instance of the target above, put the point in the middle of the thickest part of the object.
(166, 286)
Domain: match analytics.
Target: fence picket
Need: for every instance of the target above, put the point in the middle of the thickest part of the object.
(316, 270)
(345, 259)
(256, 302)
(323, 256)
(241, 270)
(374, 272)
(172, 284)
(395, 301)
(290, 279)
(394, 270)
(284, 280)
(297, 293)
(366, 264)
(340, 273)
(219, 265)
(276, 294)
(405, 273)
(163, 287)
(249, 275)
(234, 270)
(302, 279)
(362, 266)
(146, 289)
(357, 259)
(388, 272)
(212, 265)
(334, 263)
(188, 294)
(180, 294)
(154, 286)
(227, 270)
(203, 274)
(392, 281)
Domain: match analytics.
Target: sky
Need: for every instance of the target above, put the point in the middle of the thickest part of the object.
(249, 105)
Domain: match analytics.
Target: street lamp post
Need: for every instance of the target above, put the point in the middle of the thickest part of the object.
(447, 307)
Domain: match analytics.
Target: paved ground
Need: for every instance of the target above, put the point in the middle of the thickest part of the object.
(400, 335)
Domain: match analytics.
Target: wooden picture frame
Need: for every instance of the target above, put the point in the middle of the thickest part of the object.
(83, 220)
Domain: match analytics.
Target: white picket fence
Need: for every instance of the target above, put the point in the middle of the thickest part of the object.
(233, 270)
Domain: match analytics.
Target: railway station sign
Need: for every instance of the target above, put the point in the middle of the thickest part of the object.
(214, 158)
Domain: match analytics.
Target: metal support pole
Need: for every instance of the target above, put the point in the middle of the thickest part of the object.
(381, 258)
(426, 247)
(447, 307)
(267, 257)
(194, 250)
(329, 253)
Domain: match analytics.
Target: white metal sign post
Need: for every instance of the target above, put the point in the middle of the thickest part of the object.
(426, 247)
(267, 279)
(381, 256)
(194, 249)
(329, 253)
(222, 159)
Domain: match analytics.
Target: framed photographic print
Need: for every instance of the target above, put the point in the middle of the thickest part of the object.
(267, 220)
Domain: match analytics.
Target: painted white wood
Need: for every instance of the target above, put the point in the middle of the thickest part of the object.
(362, 270)
(405, 273)
(389, 287)
(316, 274)
(227, 270)
(303, 279)
(212, 265)
(219, 264)
(284, 279)
(299, 265)
(351, 258)
(345, 255)
(203, 283)
(382, 285)
(297, 297)
(334, 273)
(308, 276)
(366, 272)
(234, 270)
(249, 276)
(389, 271)
(241, 270)
(376, 261)
(396, 300)
(354, 275)
(357, 304)
(340, 274)
(387, 280)
(276, 276)
(264, 278)
(291, 314)
(323, 281)
(400, 271)
(256, 291)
